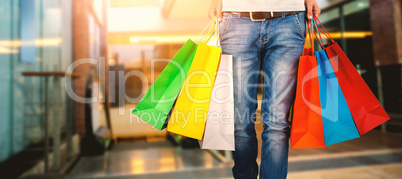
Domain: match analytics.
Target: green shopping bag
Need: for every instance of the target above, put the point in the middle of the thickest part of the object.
(156, 104)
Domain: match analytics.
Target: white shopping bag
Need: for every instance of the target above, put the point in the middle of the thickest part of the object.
(219, 128)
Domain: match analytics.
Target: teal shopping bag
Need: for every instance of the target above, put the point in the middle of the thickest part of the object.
(338, 124)
(156, 104)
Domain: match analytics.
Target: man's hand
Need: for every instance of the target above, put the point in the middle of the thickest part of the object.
(312, 8)
(216, 9)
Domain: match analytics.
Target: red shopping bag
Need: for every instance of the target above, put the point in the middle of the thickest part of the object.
(307, 130)
(364, 106)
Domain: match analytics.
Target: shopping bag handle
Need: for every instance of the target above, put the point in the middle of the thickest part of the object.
(325, 32)
(217, 43)
(319, 34)
(213, 30)
(200, 36)
(309, 30)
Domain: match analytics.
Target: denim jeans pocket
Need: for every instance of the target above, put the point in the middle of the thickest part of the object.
(300, 22)
(224, 25)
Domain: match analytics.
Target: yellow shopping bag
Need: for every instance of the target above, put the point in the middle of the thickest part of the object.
(190, 111)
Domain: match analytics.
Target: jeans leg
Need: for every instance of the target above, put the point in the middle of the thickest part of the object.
(240, 38)
(283, 48)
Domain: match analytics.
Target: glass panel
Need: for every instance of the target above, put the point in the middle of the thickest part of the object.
(355, 6)
(358, 39)
(21, 104)
(6, 51)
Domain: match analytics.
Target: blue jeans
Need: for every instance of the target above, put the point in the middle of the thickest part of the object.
(273, 46)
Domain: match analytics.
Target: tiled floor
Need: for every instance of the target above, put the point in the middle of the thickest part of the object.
(373, 140)
(389, 171)
(152, 161)
(375, 155)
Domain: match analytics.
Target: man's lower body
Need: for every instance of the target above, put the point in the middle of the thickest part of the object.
(273, 46)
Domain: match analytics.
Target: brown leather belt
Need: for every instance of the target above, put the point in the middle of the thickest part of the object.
(262, 16)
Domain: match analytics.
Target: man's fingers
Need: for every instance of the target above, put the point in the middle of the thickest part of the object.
(317, 13)
(309, 10)
(219, 15)
(316, 10)
(211, 13)
(216, 10)
(219, 12)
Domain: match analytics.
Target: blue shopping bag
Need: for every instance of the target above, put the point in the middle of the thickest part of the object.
(338, 124)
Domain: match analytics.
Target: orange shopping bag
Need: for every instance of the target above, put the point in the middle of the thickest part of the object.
(307, 129)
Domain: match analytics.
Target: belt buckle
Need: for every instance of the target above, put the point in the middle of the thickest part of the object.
(255, 20)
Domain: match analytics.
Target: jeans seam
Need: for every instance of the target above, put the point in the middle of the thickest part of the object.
(225, 26)
(270, 30)
(261, 37)
(298, 24)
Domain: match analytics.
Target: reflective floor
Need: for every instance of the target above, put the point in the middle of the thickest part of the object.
(374, 155)
(151, 160)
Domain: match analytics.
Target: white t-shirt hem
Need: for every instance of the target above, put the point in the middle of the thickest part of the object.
(263, 5)
(276, 9)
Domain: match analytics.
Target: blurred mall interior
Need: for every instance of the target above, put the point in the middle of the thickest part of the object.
(45, 129)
